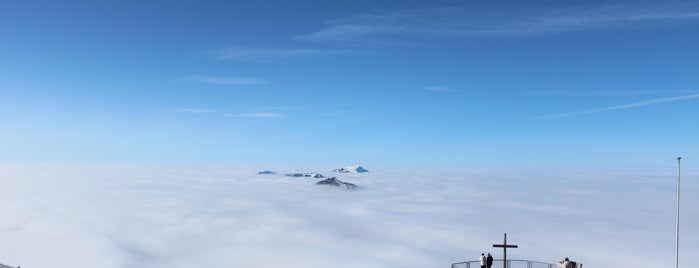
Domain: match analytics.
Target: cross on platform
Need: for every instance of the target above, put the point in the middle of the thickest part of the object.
(504, 247)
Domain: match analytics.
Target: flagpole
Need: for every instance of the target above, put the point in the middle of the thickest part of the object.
(677, 216)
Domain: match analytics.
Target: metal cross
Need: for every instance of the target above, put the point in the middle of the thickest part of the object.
(504, 247)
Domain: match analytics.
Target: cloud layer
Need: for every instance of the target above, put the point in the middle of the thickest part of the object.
(221, 216)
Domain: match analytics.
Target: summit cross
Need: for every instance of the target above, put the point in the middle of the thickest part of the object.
(504, 247)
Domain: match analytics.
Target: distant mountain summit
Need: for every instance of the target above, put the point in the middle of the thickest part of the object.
(310, 175)
(266, 172)
(333, 181)
(351, 169)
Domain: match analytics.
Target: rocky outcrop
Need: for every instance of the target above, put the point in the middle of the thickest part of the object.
(333, 181)
(308, 175)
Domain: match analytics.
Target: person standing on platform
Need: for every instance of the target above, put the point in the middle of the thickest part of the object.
(489, 261)
(482, 259)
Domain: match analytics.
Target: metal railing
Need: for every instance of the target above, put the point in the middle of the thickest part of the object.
(510, 264)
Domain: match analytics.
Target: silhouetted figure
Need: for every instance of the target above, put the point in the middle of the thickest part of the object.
(567, 263)
(489, 261)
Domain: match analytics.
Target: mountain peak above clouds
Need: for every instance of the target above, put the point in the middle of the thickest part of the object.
(309, 175)
(333, 181)
(351, 169)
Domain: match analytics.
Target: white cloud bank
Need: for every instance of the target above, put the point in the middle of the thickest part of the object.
(59, 215)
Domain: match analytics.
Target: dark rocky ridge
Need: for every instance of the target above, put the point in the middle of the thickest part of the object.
(333, 181)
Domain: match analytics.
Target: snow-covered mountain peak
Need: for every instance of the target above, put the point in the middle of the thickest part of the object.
(351, 169)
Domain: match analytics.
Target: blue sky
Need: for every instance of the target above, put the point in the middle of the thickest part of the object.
(455, 83)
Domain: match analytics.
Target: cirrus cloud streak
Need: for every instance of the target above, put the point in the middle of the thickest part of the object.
(458, 22)
(623, 106)
(255, 115)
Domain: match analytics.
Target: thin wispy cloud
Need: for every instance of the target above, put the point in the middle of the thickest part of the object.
(223, 80)
(251, 115)
(194, 110)
(457, 22)
(275, 108)
(275, 54)
(446, 110)
(255, 115)
(623, 106)
(343, 113)
(609, 93)
(437, 88)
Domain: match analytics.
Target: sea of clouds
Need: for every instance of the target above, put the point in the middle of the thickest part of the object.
(129, 215)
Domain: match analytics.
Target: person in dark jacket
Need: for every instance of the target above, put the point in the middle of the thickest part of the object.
(489, 261)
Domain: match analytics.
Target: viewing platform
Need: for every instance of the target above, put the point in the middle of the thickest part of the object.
(514, 264)
(510, 264)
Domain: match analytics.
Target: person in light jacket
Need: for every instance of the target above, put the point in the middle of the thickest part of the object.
(482, 259)
(566, 263)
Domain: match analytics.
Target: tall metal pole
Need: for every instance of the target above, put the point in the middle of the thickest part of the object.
(677, 216)
(504, 250)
